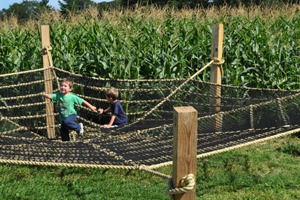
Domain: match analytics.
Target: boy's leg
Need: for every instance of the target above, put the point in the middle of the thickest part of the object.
(64, 132)
(71, 124)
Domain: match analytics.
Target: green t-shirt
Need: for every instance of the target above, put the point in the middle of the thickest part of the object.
(65, 104)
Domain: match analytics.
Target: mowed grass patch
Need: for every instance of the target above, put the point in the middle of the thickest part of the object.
(262, 171)
(37, 182)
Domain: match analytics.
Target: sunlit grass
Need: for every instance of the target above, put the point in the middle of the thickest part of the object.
(268, 170)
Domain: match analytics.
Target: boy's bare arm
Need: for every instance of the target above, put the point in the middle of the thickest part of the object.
(89, 105)
(101, 110)
(112, 119)
(47, 96)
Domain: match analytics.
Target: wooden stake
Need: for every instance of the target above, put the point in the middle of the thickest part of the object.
(216, 75)
(185, 128)
(45, 34)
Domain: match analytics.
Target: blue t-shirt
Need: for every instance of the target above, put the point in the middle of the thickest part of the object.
(117, 110)
(65, 104)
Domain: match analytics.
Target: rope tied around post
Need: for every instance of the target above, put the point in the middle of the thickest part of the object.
(47, 51)
(187, 183)
(219, 62)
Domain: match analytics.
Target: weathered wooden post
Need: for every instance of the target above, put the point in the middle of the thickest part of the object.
(47, 62)
(216, 75)
(185, 128)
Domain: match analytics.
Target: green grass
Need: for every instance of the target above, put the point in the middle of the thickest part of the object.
(267, 170)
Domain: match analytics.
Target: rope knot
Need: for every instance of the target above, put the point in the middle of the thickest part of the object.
(47, 51)
(187, 183)
(218, 61)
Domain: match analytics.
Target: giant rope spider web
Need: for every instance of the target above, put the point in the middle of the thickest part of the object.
(248, 115)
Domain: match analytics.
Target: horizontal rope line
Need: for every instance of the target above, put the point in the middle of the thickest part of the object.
(24, 72)
(21, 84)
(20, 97)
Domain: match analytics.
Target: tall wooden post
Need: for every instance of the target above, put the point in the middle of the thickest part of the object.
(216, 74)
(184, 148)
(45, 34)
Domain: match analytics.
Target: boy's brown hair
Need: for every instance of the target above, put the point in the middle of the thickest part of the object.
(68, 80)
(112, 93)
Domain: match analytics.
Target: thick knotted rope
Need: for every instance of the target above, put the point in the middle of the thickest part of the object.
(187, 183)
(218, 61)
(48, 49)
(147, 169)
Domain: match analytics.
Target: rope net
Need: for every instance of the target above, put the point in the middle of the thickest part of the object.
(243, 115)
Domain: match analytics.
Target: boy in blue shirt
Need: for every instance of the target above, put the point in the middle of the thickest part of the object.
(118, 117)
(65, 103)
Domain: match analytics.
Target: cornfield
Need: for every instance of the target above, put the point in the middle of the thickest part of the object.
(261, 46)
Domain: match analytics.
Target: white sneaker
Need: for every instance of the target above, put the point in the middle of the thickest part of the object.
(81, 132)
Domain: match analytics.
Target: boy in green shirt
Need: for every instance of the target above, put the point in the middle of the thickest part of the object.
(66, 102)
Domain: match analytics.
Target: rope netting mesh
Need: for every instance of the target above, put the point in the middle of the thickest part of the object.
(246, 115)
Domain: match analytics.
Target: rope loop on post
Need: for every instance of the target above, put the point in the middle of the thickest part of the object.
(47, 51)
(187, 183)
(218, 61)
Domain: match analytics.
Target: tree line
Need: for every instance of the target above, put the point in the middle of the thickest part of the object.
(31, 9)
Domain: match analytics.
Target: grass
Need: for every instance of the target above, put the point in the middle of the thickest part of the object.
(267, 170)
(264, 171)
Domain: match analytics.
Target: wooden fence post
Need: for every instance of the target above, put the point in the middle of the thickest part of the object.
(216, 74)
(185, 128)
(47, 62)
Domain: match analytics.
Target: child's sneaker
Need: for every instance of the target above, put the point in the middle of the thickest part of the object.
(81, 132)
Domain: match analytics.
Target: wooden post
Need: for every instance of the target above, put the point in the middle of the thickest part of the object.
(50, 121)
(216, 75)
(185, 128)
